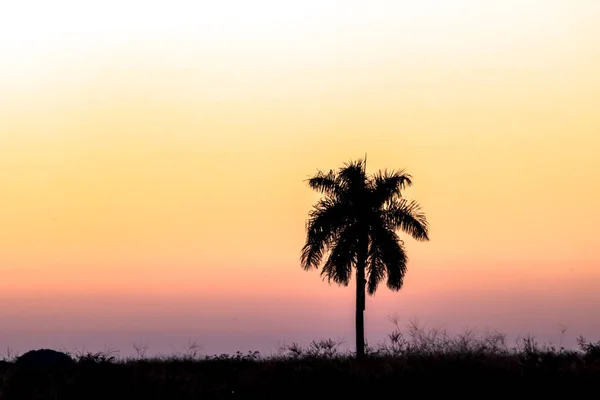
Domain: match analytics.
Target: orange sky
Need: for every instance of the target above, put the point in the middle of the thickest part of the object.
(153, 159)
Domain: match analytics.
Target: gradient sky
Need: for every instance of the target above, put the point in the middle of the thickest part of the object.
(153, 158)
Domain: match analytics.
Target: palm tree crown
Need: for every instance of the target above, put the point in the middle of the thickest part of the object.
(355, 225)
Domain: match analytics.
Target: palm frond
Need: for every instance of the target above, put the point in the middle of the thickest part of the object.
(338, 267)
(375, 270)
(326, 183)
(326, 220)
(388, 185)
(387, 254)
(352, 175)
(407, 216)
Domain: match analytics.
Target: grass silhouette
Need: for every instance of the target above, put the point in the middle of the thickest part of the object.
(413, 360)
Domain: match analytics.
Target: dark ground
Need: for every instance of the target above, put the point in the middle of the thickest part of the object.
(243, 377)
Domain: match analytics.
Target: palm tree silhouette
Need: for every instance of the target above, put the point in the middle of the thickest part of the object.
(355, 225)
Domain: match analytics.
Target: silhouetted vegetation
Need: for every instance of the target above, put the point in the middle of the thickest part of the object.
(355, 224)
(413, 361)
(44, 357)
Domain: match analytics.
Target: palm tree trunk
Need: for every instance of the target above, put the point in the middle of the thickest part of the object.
(360, 307)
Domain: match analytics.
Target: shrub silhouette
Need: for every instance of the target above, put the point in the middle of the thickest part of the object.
(44, 358)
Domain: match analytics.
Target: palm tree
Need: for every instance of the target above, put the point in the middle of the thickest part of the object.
(355, 226)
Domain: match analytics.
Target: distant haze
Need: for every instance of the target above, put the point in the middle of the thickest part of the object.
(153, 158)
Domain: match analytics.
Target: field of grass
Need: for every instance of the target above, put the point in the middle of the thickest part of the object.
(412, 362)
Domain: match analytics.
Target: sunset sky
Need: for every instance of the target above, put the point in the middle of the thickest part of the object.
(153, 158)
